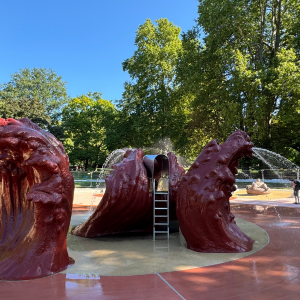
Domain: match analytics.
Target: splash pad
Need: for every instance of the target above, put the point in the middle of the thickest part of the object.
(126, 207)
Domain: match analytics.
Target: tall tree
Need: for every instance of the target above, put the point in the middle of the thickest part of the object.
(246, 75)
(38, 85)
(25, 107)
(150, 104)
(86, 120)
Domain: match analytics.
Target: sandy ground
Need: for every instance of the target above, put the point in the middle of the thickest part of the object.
(275, 198)
(275, 194)
(84, 196)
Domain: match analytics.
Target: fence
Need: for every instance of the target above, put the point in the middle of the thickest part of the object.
(89, 179)
(275, 178)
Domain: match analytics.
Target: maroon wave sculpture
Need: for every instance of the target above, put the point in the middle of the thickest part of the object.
(36, 201)
(176, 174)
(203, 208)
(126, 205)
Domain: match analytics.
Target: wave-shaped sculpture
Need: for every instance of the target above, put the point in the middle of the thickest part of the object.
(36, 201)
(203, 208)
(176, 174)
(126, 204)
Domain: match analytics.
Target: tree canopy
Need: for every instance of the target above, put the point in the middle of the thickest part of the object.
(237, 68)
(41, 87)
(246, 73)
(24, 107)
(85, 122)
(150, 104)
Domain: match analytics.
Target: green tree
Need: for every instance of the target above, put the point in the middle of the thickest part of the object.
(41, 87)
(86, 120)
(25, 107)
(193, 81)
(151, 107)
(246, 74)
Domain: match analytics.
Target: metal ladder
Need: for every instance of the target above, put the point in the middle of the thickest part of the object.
(156, 209)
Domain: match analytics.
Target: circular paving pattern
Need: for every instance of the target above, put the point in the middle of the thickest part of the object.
(137, 254)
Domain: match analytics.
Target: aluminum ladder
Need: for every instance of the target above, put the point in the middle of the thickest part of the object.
(156, 217)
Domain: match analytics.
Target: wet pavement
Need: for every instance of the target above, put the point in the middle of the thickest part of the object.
(270, 273)
(138, 254)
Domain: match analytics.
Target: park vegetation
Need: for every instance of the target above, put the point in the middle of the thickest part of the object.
(237, 68)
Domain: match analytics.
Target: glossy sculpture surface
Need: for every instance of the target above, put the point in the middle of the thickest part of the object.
(36, 201)
(203, 208)
(127, 204)
(175, 176)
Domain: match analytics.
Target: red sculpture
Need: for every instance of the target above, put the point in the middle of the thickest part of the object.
(176, 174)
(126, 204)
(203, 208)
(202, 195)
(36, 201)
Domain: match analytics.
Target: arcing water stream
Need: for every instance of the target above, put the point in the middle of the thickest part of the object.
(276, 162)
(162, 147)
(113, 158)
(271, 159)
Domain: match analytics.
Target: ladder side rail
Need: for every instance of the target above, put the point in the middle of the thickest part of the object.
(153, 185)
(168, 214)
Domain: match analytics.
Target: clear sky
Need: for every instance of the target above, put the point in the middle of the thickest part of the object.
(85, 42)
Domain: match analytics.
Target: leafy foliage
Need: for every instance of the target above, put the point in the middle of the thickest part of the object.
(150, 105)
(41, 87)
(85, 121)
(246, 75)
(238, 68)
(25, 107)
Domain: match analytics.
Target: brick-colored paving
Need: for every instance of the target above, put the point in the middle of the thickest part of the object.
(271, 273)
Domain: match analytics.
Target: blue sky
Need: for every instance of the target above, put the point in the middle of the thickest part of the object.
(85, 42)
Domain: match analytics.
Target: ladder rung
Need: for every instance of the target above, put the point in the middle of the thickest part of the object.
(165, 222)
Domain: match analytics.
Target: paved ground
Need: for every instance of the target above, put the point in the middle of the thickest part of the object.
(271, 273)
(138, 254)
